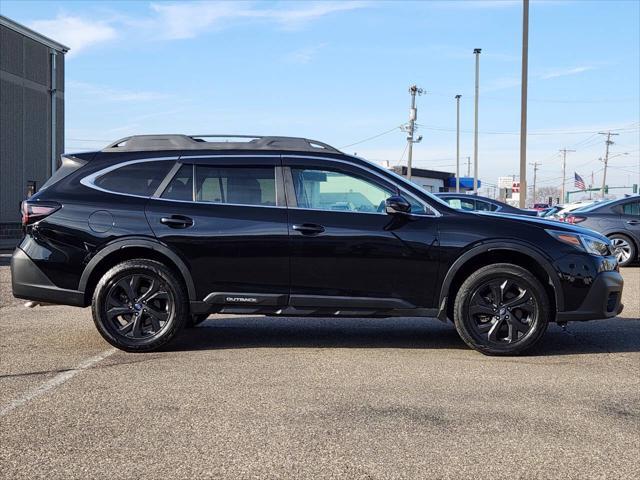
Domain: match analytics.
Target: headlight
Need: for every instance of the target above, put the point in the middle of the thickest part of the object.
(586, 243)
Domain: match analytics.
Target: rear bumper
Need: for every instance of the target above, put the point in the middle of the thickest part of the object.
(604, 300)
(29, 283)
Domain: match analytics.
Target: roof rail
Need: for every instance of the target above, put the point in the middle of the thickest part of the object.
(136, 143)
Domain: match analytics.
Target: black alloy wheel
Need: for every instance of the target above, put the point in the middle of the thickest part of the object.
(139, 305)
(501, 309)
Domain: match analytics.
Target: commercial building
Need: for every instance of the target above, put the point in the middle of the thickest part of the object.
(435, 181)
(31, 118)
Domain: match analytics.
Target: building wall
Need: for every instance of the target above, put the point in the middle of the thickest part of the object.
(432, 185)
(25, 119)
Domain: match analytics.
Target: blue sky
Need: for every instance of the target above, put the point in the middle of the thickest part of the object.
(339, 72)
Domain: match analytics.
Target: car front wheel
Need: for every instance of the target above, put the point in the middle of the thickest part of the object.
(501, 309)
(139, 305)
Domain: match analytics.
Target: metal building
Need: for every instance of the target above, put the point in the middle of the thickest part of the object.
(31, 118)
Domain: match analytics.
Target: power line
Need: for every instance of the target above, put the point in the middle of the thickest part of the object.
(373, 137)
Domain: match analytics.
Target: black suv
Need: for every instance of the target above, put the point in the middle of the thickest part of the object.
(157, 232)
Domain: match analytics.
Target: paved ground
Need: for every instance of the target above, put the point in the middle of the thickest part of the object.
(274, 398)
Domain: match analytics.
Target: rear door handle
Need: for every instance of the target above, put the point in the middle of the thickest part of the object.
(633, 222)
(176, 221)
(309, 228)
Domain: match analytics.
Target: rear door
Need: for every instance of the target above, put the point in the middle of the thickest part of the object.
(226, 217)
(346, 252)
(631, 218)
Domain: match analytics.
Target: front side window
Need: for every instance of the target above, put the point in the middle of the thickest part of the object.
(142, 178)
(230, 185)
(333, 190)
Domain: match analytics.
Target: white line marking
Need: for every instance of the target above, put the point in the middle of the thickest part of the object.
(54, 382)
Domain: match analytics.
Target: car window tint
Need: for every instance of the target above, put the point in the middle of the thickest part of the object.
(237, 185)
(181, 186)
(483, 206)
(461, 204)
(632, 208)
(141, 178)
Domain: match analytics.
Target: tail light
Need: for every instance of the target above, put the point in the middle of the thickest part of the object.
(573, 219)
(33, 212)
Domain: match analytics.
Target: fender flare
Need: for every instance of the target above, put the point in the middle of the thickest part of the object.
(485, 247)
(139, 242)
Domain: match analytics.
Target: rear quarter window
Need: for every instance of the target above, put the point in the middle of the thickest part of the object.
(141, 179)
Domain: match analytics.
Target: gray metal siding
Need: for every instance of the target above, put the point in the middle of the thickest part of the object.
(25, 115)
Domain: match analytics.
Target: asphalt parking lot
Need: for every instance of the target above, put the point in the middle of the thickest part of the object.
(316, 398)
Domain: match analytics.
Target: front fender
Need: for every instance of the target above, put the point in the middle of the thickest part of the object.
(484, 247)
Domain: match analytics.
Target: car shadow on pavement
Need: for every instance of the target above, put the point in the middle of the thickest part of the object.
(615, 335)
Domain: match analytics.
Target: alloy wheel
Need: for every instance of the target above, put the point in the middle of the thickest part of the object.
(502, 311)
(139, 306)
(621, 249)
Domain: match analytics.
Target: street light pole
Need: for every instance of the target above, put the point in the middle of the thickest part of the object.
(476, 51)
(523, 103)
(458, 143)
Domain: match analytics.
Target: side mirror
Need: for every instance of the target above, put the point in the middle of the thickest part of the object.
(397, 205)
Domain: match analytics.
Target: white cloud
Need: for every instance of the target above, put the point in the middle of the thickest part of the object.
(108, 94)
(189, 19)
(304, 55)
(563, 72)
(75, 32)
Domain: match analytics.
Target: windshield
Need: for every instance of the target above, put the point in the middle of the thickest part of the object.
(405, 182)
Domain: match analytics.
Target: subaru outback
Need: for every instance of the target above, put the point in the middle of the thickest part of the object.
(156, 232)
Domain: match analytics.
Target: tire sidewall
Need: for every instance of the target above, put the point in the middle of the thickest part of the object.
(147, 267)
(492, 272)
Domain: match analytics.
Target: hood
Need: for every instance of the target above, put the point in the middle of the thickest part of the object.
(543, 223)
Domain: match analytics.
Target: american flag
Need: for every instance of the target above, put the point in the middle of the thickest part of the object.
(579, 182)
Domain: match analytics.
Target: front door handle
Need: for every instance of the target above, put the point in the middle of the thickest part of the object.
(177, 221)
(633, 222)
(309, 228)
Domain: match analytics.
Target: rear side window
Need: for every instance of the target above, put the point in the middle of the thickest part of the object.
(460, 204)
(140, 179)
(483, 206)
(632, 208)
(231, 185)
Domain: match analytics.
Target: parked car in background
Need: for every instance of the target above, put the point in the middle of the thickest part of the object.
(540, 206)
(617, 219)
(570, 207)
(477, 203)
(548, 212)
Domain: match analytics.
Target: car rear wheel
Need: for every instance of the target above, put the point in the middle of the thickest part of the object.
(501, 309)
(139, 306)
(623, 249)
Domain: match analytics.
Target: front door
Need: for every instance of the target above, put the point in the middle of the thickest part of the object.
(226, 217)
(345, 250)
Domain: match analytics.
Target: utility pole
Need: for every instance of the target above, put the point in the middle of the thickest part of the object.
(413, 115)
(476, 52)
(564, 152)
(535, 176)
(523, 103)
(608, 142)
(458, 143)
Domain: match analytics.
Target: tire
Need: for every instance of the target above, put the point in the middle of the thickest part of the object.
(152, 318)
(501, 309)
(624, 249)
(196, 320)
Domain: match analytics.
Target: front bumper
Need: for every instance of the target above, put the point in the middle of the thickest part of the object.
(603, 300)
(30, 283)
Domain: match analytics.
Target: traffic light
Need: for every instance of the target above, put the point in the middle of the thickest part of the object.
(635, 188)
(606, 189)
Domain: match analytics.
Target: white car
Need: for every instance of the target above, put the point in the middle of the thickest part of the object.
(570, 207)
